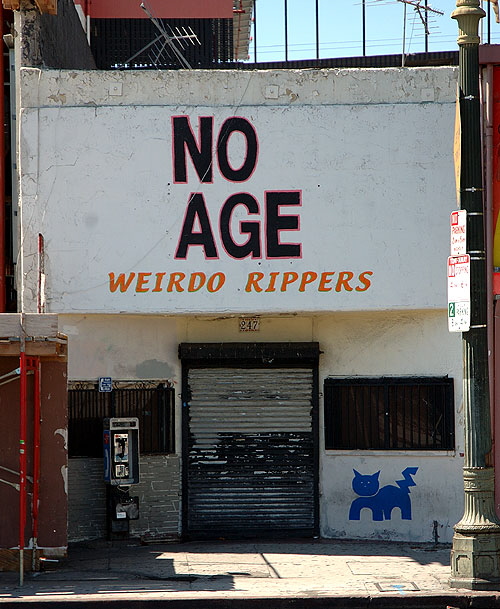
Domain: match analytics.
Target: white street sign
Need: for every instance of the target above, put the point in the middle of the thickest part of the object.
(458, 221)
(459, 293)
(458, 316)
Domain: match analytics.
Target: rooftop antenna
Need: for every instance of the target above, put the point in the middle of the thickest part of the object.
(173, 40)
(423, 10)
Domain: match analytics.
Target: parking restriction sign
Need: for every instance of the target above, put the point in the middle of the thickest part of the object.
(458, 230)
(459, 293)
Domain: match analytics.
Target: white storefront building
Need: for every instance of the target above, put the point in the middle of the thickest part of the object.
(270, 247)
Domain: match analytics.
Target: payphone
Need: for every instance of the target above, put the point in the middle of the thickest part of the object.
(121, 451)
(121, 470)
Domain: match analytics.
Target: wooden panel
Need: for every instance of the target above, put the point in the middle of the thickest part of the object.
(39, 348)
(53, 458)
(45, 325)
(41, 325)
(11, 5)
(9, 560)
(47, 6)
(44, 6)
(40, 331)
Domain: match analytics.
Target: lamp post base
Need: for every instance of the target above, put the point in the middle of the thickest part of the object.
(475, 555)
(475, 562)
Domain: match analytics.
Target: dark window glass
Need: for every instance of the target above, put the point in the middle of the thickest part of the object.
(389, 413)
(153, 406)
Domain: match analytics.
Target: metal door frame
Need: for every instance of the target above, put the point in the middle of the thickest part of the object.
(248, 355)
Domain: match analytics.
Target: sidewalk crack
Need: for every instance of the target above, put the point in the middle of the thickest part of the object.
(274, 573)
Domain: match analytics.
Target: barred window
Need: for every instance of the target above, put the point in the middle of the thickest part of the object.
(151, 403)
(403, 413)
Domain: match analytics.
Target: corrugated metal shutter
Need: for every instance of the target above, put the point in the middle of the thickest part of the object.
(251, 452)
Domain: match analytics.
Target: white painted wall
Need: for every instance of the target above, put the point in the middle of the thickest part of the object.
(436, 500)
(363, 158)
(122, 346)
(366, 344)
(395, 345)
(369, 154)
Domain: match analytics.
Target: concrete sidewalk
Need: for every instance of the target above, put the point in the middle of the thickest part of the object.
(322, 573)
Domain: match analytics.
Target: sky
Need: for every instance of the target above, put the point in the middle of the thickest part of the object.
(341, 28)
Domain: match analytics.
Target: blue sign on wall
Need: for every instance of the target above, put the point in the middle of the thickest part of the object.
(105, 384)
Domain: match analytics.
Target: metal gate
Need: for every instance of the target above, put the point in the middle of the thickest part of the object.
(250, 458)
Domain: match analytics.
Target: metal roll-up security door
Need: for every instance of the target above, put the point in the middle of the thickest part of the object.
(251, 453)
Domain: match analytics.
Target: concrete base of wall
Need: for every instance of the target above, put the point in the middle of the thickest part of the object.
(86, 500)
(158, 493)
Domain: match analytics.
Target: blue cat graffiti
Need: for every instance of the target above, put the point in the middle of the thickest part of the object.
(382, 501)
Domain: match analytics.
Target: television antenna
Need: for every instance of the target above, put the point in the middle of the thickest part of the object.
(423, 11)
(170, 43)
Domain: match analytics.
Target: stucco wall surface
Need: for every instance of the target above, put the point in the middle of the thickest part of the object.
(57, 88)
(398, 344)
(318, 200)
(436, 500)
(220, 192)
(411, 343)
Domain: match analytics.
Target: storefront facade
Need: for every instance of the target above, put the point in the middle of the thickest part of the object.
(267, 252)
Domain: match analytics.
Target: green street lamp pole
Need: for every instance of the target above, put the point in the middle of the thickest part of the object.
(475, 555)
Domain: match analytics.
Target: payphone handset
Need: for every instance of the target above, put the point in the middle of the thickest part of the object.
(121, 451)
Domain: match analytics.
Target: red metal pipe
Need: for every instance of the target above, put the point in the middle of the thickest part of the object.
(3, 244)
(41, 271)
(35, 365)
(22, 459)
